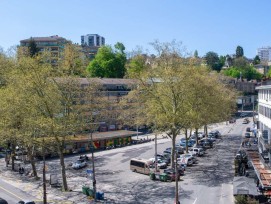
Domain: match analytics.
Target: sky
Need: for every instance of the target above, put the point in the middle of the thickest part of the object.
(202, 25)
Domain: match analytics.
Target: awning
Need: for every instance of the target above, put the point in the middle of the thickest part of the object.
(244, 186)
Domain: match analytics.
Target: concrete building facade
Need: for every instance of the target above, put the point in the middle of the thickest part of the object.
(264, 118)
(92, 40)
(264, 53)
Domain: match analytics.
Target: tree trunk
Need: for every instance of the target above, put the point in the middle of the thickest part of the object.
(186, 140)
(197, 139)
(33, 165)
(205, 130)
(63, 171)
(173, 150)
(13, 159)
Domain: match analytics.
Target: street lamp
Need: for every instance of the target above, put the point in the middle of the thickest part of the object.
(92, 159)
(93, 166)
(176, 179)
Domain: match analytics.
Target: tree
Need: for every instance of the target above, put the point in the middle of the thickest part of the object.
(33, 49)
(229, 61)
(196, 54)
(256, 60)
(247, 72)
(109, 62)
(72, 61)
(136, 65)
(167, 90)
(240, 62)
(239, 52)
(212, 60)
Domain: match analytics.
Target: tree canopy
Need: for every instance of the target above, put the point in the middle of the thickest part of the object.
(108, 62)
(178, 93)
(239, 51)
(213, 61)
(33, 49)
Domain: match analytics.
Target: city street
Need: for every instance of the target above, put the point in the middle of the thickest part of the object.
(208, 181)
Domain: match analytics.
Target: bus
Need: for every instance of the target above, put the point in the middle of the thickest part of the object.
(140, 166)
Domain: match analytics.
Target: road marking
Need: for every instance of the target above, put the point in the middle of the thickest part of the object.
(195, 200)
(11, 193)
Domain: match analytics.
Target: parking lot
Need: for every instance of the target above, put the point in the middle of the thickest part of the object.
(212, 175)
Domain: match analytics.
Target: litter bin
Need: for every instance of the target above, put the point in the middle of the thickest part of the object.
(85, 190)
(163, 177)
(152, 176)
(100, 195)
(90, 192)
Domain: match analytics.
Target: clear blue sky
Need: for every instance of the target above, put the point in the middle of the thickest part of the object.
(203, 25)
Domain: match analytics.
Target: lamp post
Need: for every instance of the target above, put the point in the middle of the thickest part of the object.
(176, 179)
(93, 166)
(155, 139)
(44, 174)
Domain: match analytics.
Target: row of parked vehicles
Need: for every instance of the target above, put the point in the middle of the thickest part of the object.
(183, 159)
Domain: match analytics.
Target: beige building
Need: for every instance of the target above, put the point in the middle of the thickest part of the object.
(53, 44)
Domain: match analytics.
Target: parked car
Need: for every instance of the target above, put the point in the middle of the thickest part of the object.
(246, 121)
(196, 151)
(171, 173)
(211, 139)
(248, 129)
(217, 133)
(179, 149)
(3, 201)
(207, 143)
(233, 120)
(80, 163)
(247, 134)
(165, 158)
(185, 160)
(183, 143)
(25, 202)
(200, 135)
(160, 163)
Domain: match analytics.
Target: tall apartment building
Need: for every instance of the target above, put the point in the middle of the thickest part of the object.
(264, 53)
(91, 43)
(92, 40)
(264, 118)
(53, 44)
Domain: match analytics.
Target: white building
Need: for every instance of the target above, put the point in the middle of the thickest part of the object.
(264, 117)
(264, 53)
(92, 40)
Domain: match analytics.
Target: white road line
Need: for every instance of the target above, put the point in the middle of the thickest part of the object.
(195, 200)
(11, 193)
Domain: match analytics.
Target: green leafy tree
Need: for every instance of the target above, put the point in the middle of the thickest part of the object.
(212, 60)
(247, 72)
(109, 62)
(239, 52)
(256, 60)
(136, 65)
(240, 62)
(72, 61)
(196, 54)
(33, 49)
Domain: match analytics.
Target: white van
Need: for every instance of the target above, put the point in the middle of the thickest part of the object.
(140, 166)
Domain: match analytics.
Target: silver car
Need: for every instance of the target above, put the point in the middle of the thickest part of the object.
(80, 163)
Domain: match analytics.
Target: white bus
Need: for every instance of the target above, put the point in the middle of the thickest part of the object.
(140, 166)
